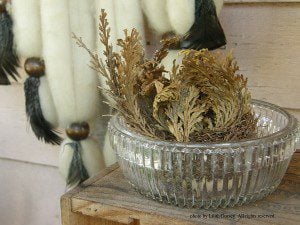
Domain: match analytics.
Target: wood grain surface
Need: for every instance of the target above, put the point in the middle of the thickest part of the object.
(259, 1)
(109, 197)
(265, 39)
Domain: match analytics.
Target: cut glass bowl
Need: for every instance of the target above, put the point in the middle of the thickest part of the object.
(209, 175)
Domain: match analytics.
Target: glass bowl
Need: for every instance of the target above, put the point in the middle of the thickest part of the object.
(209, 175)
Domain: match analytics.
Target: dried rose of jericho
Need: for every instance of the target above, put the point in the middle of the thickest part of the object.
(204, 100)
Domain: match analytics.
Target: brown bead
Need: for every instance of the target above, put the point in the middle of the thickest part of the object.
(34, 67)
(78, 131)
(2, 6)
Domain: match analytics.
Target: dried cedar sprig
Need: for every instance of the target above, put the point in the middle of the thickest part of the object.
(129, 70)
(107, 69)
(121, 71)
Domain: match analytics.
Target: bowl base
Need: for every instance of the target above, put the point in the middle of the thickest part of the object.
(210, 204)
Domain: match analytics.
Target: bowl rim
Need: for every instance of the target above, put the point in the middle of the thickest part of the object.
(291, 127)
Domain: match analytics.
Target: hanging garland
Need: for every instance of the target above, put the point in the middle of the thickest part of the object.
(9, 61)
(43, 130)
(61, 91)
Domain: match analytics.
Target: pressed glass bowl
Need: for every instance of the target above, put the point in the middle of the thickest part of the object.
(211, 174)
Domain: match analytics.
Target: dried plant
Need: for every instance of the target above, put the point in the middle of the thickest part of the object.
(204, 100)
(122, 71)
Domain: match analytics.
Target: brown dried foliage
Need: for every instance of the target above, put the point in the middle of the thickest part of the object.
(205, 99)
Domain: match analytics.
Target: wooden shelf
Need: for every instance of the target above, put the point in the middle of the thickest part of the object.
(259, 1)
(108, 199)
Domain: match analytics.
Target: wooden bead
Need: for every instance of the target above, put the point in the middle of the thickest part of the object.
(2, 6)
(34, 67)
(78, 131)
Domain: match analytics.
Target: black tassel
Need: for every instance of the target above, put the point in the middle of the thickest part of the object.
(207, 31)
(77, 171)
(42, 129)
(9, 61)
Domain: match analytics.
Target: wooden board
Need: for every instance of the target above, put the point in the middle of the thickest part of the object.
(265, 39)
(109, 197)
(259, 1)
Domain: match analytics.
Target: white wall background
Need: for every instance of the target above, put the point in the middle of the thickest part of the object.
(29, 193)
(30, 185)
